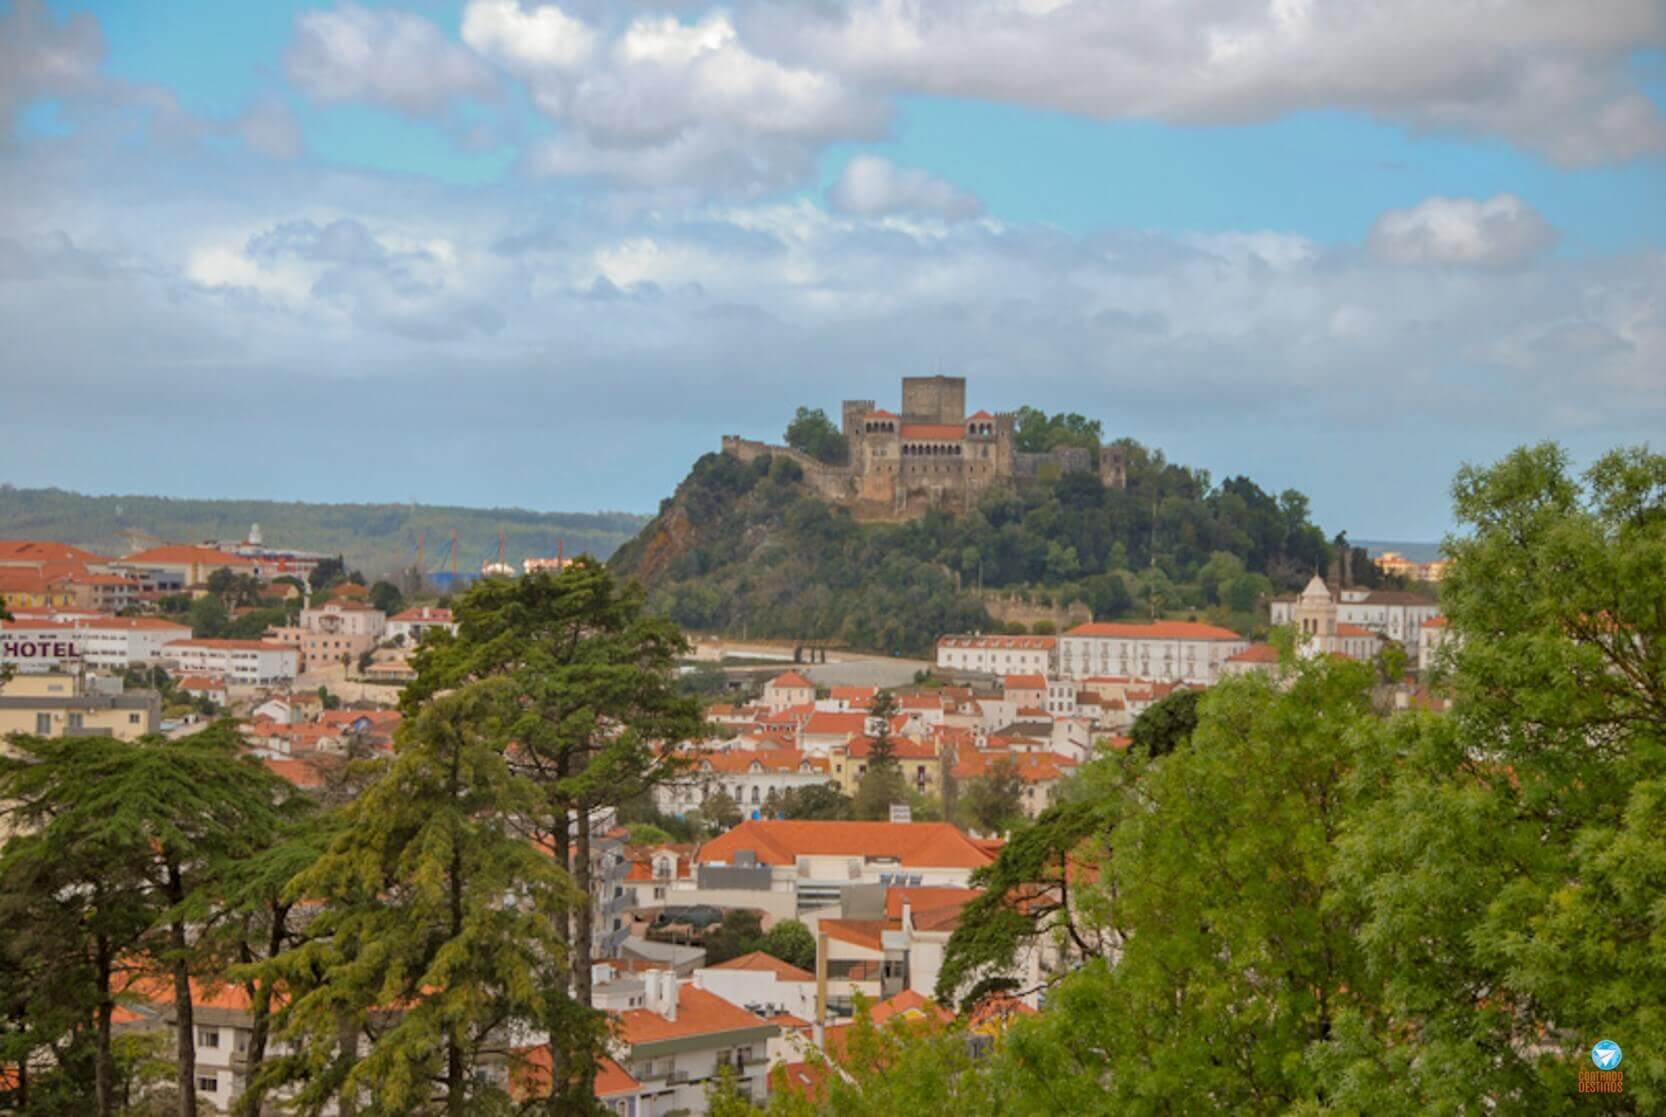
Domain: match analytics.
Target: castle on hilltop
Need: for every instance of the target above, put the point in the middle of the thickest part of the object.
(931, 455)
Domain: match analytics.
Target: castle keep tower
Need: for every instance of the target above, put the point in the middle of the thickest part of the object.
(934, 399)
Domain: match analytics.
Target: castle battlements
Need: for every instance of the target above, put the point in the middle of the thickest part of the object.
(930, 454)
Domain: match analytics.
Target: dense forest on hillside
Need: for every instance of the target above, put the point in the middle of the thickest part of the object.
(749, 549)
(378, 539)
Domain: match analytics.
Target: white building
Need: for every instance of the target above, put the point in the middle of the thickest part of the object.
(676, 1042)
(788, 868)
(414, 623)
(1164, 651)
(997, 655)
(761, 984)
(1396, 614)
(128, 641)
(788, 690)
(241, 662)
(747, 776)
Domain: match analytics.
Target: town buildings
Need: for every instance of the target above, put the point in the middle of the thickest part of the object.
(1319, 613)
(997, 655)
(1169, 651)
(411, 625)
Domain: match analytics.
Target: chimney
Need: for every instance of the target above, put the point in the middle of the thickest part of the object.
(661, 989)
(907, 913)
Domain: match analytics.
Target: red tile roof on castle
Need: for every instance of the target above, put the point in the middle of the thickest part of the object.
(1156, 630)
(759, 962)
(790, 679)
(699, 1013)
(981, 415)
(881, 414)
(926, 844)
(173, 554)
(933, 432)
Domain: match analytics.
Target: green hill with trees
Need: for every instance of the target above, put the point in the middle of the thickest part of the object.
(749, 549)
(379, 539)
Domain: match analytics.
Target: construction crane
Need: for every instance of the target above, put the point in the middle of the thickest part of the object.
(501, 567)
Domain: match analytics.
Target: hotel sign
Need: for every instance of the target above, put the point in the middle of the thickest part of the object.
(39, 645)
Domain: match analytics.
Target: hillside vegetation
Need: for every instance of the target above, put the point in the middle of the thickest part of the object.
(376, 538)
(749, 549)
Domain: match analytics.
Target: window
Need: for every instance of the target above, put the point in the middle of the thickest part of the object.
(77, 720)
(208, 1083)
(208, 1037)
(43, 725)
(133, 719)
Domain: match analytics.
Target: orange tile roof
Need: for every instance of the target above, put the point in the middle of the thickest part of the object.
(533, 1079)
(1156, 630)
(45, 550)
(1000, 643)
(1353, 630)
(902, 748)
(825, 723)
(233, 645)
(698, 1013)
(926, 898)
(759, 962)
(925, 844)
(1025, 682)
(176, 554)
(852, 693)
(301, 773)
(1255, 653)
(790, 679)
(1435, 622)
(981, 415)
(859, 932)
(907, 1004)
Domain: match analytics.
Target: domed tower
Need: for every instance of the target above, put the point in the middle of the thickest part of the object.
(1315, 617)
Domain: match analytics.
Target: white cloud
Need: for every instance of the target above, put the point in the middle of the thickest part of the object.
(383, 57)
(528, 41)
(41, 57)
(1502, 231)
(872, 186)
(667, 105)
(1548, 76)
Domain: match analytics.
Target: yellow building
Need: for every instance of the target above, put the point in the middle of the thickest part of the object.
(918, 761)
(65, 705)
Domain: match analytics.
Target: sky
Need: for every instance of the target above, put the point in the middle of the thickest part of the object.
(511, 253)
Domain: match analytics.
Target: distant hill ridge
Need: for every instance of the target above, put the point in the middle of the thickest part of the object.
(379, 539)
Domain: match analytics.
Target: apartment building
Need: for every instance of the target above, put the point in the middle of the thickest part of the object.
(64, 704)
(1164, 651)
(242, 662)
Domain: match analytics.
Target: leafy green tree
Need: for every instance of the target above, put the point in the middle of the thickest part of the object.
(822, 801)
(720, 810)
(1516, 847)
(813, 433)
(165, 818)
(208, 617)
(439, 926)
(594, 679)
(1166, 725)
(387, 597)
(791, 941)
(994, 801)
(327, 573)
(1037, 432)
(741, 932)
